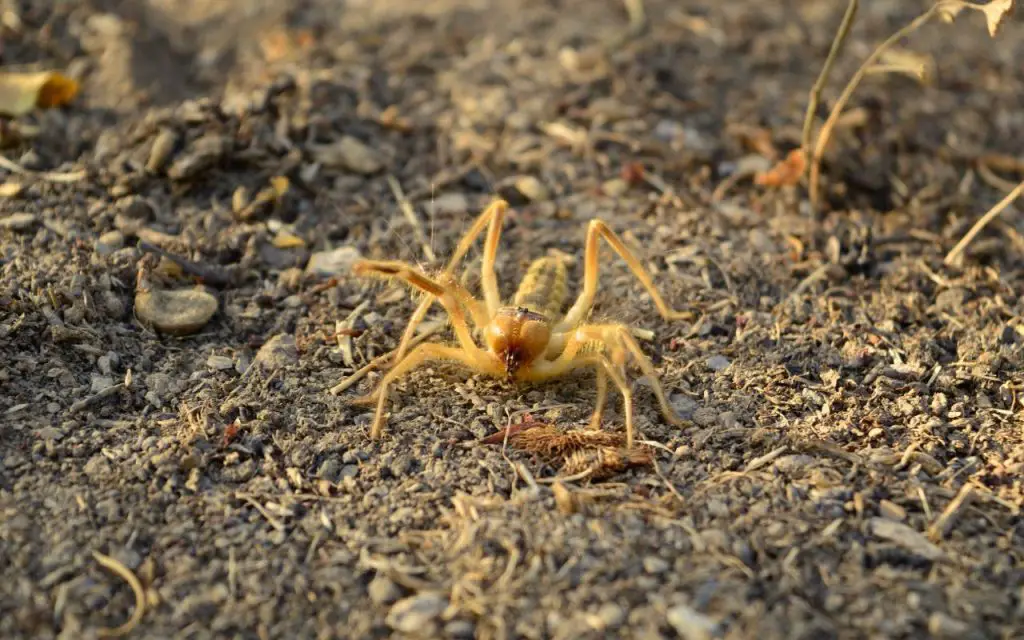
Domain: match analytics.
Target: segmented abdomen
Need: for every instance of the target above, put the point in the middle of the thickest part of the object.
(544, 287)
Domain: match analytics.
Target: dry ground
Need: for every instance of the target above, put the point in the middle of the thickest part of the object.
(844, 386)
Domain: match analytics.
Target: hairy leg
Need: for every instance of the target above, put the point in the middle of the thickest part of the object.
(602, 399)
(416, 357)
(416, 278)
(492, 216)
(617, 342)
(548, 369)
(597, 230)
(648, 368)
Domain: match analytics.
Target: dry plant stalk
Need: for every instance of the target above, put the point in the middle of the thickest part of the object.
(996, 12)
(590, 453)
(982, 222)
(123, 572)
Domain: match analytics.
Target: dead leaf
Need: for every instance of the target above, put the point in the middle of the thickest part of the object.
(10, 189)
(20, 93)
(996, 12)
(785, 173)
(919, 66)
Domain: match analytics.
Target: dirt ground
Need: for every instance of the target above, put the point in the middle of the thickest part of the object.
(852, 465)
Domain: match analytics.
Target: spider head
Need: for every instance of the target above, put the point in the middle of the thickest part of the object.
(517, 336)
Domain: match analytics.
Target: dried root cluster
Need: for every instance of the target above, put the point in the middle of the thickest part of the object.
(582, 453)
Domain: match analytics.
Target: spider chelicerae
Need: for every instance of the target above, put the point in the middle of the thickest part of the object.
(529, 340)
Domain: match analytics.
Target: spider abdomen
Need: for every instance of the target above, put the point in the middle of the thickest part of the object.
(544, 288)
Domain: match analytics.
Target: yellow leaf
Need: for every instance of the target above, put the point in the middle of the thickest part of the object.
(20, 93)
(10, 189)
(285, 240)
(280, 185)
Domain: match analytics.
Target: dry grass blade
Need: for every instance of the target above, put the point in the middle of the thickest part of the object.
(125, 574)
(989, 216)
(13, 167)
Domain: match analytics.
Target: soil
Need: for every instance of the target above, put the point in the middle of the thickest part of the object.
(853, 457)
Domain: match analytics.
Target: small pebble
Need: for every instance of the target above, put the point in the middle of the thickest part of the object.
(892, 511)
(382, 590)
(449, 203)
(654, 564)
(178, 312)
(941, 625)
(109, 242)
(615, 187)
(280, 351)
(328, 264)
(951, 299)
(417, 614)
(532, 189)
(99, 383)
(718, 363)
(220, 363)
(902, 535)
(351, 154)
(690, 623)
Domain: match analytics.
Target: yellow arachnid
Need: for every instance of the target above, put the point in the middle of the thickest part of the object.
(529, 340)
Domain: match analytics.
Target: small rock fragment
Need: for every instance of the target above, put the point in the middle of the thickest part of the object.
(280, 351)
(350, 154)
(417, 614)
(906, 537)
(329, 264)
(18, 222)
(532, 189)
(941, 625)
(109, 242)
(654, 564)
(615, 187)
(718, 363)
(178, 312)
(691, 624)
(892, 511)
(951, 300)
(220, 363)
(449, 203)
(99, 383)
(383, 590)
(204, 154)
(163, 146)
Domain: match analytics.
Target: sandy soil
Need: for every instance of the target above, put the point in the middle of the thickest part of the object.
(853, 457)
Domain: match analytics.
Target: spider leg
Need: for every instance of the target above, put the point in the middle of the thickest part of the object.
(494, 215)
(597, 230)
(548, 369)
(589, 343)
(602, 399)
(416, 278)
(418, 356)
(647, 367)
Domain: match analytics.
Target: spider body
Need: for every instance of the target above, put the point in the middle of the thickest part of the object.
(531, 339)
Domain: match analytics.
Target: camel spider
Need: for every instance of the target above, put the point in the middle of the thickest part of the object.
(529, 340)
